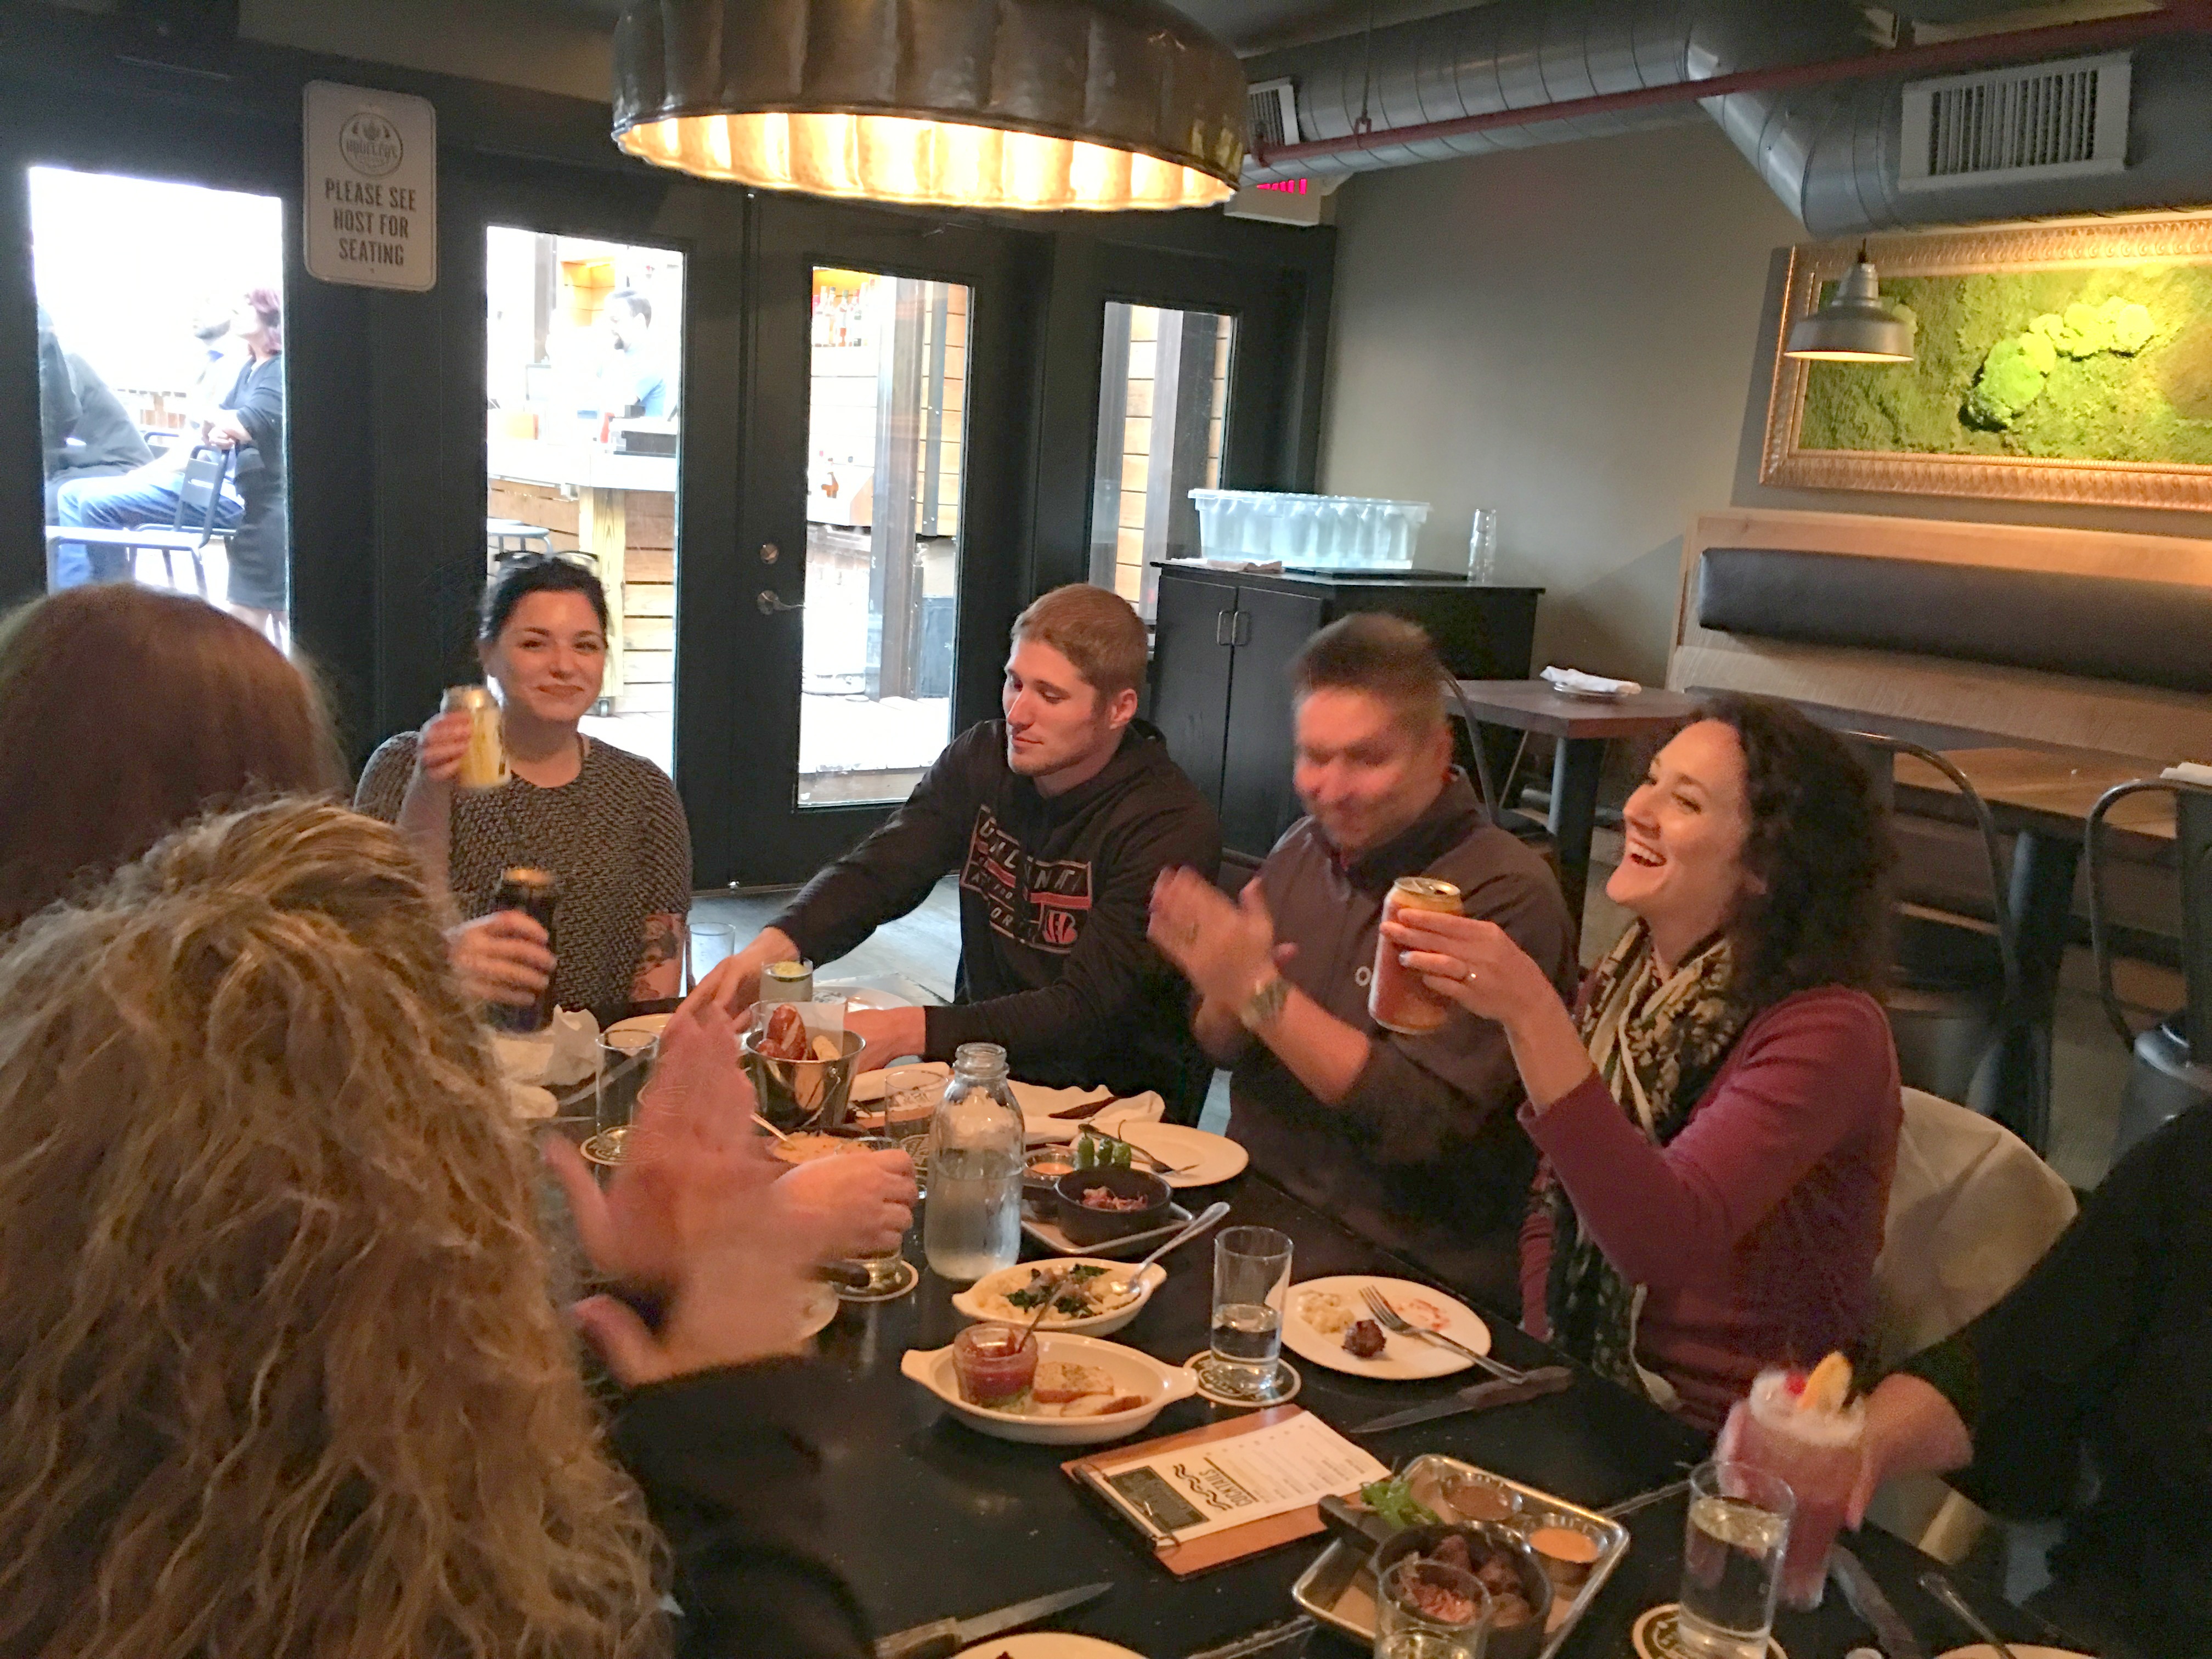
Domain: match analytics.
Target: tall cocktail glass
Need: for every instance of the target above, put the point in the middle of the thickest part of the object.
(1817, 1452)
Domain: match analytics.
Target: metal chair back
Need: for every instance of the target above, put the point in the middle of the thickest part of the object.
(2192, 827)
(199, 491)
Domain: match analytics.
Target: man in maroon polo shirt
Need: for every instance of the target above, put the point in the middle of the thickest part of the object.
(1409, 1140)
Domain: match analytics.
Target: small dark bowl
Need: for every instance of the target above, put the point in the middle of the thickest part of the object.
(1088, 1227)
(1527, 1641)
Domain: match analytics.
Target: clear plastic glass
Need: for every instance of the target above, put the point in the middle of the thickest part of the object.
(972, 1224)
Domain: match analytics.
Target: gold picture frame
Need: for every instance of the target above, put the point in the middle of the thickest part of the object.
(2130, 241)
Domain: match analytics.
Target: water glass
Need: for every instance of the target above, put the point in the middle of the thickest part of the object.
(708, 944)
(1739, 1532)
(1430, 1610)
(1251, 1271)
(626, 1062)
(1482, 546)
(889, 1276)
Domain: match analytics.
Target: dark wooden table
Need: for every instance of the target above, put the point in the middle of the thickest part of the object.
(2040, 795)
(930, 1519)
(1582, 727)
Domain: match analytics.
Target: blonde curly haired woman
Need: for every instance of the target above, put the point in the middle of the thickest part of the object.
(284, 1378)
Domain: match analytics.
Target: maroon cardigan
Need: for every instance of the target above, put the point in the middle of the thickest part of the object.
(1756, 1229)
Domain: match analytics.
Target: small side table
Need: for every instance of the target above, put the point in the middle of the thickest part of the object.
(1582, 726)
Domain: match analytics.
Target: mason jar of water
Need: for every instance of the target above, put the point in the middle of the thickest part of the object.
(972, 1223)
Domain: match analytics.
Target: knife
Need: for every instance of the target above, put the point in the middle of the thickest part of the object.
(942, 1638)
(1867, 1600)
(1546, 1379)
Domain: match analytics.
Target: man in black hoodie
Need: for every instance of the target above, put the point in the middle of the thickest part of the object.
(1057, 819)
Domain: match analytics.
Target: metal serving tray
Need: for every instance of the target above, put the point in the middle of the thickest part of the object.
(1338, 1590)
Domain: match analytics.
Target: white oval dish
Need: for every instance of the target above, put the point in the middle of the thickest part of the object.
(1136, 1373)
(970, 1301)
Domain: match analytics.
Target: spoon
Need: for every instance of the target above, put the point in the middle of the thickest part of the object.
(1199, 1223)
(1944, 1591)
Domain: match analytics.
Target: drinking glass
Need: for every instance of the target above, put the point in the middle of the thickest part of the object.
(889, 1275)
(1430, 1610)
(1738, 1531)
(709, 944)
(1482, 546)
(1817, 1453)
(1251, 1271)
(626, 1061)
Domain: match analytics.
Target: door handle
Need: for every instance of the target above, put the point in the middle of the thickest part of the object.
(1240, 628)
(1224, 628)
(770, 603)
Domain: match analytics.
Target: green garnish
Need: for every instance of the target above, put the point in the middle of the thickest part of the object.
(1084, 1272)
(1394, 1501)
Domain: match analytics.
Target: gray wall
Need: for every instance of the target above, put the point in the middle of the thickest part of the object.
(1580, 334)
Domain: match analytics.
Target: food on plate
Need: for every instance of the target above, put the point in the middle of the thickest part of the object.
(1063, 1389)
(1113, 1203)
(1331, 1312)
(1050, 1169)
(1083, 1291)
(1365, 1339)
(805, 1149)
(1497, 1571)
(995, 1365)
(1432, 1594)
(1094, 1151)
(1394, 1501)
(1454, 1496)
(1567, 1556)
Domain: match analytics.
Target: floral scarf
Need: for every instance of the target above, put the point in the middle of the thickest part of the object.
(1657, 1044)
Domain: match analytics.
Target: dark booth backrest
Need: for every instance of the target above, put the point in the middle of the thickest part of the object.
(2108, 627)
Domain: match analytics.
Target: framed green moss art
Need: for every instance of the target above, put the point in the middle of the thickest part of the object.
(2063, 361)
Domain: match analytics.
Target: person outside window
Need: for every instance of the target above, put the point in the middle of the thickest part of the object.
(1408, 1140)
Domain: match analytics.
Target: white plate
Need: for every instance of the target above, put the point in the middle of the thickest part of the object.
(1038, 1104)
(1403, 1358)
(650, 1024)
(1048, 1644)
(970, 1301)
(2020, 1650)
(1132, 1373)
(1207, 1158)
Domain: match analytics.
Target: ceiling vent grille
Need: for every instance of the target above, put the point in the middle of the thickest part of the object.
(2041, 121)
(1274, 114)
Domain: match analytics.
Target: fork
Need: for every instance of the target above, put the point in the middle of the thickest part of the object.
(1395, 1322)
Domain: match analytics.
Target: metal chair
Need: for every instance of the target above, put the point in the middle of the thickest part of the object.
(1532, 832)
(1956, 985)
(2172, 1069)
(199, 491)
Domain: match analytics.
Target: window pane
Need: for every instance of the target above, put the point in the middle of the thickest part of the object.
(584, 348)
(1162, 406)
(886, 423)
(161, 387)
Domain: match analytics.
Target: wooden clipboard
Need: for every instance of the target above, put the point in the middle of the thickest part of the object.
(1216, 1549)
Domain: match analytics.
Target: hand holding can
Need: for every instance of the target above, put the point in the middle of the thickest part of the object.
(483, 761)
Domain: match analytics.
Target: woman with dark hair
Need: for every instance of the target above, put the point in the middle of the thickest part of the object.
(1718, 1117)
(124, 712)
(249, 424)
(605, 822)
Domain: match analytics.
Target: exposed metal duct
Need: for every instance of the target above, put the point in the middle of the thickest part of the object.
(1524, 54)
(1828, 150)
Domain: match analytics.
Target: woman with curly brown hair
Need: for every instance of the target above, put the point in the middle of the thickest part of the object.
(284, 1376)
(1718, 1116)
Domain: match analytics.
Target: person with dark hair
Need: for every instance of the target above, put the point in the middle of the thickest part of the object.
(87, 434)
(124, 712)
(605, 822)
(1719, 1116)
(1407, 1138)
(249, 424)
(635, 382)
(1056, 820)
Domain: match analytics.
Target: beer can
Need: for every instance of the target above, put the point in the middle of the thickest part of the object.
(787, 981)
(537, 894)
(484, 765)
(1397, 1000)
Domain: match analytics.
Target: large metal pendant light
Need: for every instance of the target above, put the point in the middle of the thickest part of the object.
(1040, 104)
(1857, 326)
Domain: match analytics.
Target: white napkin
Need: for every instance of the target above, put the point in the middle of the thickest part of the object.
(2189, 772)
(1241, 567)
(1596, 686)
(529, 1102)
(566, 1052)
(1038, 1104)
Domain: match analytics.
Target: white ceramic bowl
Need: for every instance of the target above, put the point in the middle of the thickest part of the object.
(970, 1301)
(1132, 1372)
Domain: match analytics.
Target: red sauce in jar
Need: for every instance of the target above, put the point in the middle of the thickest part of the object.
(993, 1363)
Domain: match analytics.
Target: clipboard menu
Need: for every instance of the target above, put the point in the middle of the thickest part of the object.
(1231, 1490)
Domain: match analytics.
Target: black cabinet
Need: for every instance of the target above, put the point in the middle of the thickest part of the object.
(1222, 649)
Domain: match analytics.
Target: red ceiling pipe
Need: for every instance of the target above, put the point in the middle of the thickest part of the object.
(1975, 51)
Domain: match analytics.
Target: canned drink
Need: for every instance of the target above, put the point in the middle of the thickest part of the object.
(484, 765)
(787, 981)
(537, 894)
(1396, 998)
